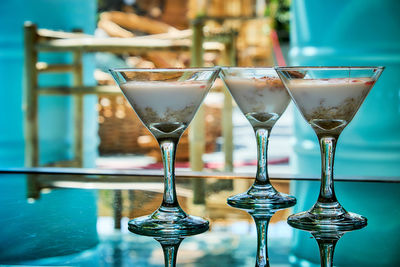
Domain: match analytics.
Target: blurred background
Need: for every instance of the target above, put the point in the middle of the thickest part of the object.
(70, 45)
(242, 33)
(249, 22)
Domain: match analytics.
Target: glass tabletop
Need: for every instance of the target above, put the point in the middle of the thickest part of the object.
(79, 217)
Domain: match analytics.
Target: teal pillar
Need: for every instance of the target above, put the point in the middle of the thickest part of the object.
(63, 221)
(356, 33)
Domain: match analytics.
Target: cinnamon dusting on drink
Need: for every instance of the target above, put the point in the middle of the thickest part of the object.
(273, 83)
(370, 83)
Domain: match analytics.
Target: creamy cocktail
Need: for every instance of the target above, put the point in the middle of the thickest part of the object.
(261, 99)
(163, 106)
(329, 104)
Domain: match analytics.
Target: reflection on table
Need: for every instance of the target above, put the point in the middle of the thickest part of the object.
(74, 216)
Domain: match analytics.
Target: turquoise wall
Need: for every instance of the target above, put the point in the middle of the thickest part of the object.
(355, 33)
(360, 33)
(55, 113)
(61, 222)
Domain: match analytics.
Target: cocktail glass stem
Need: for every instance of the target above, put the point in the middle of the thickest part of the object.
(169, 220)
(327, 214)
(168, 149)
(262, 194)
(170, 249)
(327, 201)
(262, 137)
(262, 221)
(326, 250)
(327, 192)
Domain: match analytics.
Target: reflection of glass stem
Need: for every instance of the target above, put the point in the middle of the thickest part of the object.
(326, 249)
(170, 248)
(262, 136)
(262, 221)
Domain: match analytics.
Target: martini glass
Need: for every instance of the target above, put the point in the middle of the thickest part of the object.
(328, 98)
(166, 100)
(262, 98)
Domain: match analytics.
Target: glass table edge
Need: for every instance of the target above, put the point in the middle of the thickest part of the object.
(156, 173)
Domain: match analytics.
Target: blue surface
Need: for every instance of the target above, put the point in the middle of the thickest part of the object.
(356, 33)
(222, 246)
(59, 223)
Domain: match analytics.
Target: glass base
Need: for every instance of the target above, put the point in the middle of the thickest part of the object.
(168, 222)
(334, 222)
(261, 197)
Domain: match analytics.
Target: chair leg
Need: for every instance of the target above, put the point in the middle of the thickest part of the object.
(78, 110)
(31, 96)
(117, 208)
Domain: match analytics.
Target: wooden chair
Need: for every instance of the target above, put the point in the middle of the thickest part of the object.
(41, 40)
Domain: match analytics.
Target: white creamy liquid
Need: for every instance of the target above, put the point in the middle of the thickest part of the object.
(330, 98)
(259, 95)
(156, 101)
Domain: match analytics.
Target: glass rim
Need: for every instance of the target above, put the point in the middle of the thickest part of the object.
(282, 68)
(163, 69)
(246, 68)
